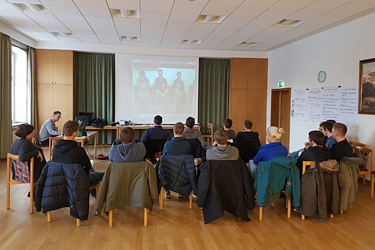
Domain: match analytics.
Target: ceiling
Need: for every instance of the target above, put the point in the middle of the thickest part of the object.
(166, 23)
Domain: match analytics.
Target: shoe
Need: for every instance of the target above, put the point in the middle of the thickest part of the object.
(167, 195)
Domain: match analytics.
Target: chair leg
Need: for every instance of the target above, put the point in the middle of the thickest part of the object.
(302, 217)
(331, 216)
(341, 211)
(272, 205)
(49, 216)
(31, 196)
(145, 217)
(116, 211)
(161, 198)
(78, 222)
(372, 185)
(97, 190)
(191, 200)
(8, 182)
(110, 218)
(289, 210)
(364, 179)
(260, 213)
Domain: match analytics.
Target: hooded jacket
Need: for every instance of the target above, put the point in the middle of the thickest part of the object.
(68, 151)
(273, 176)
(127, 153)
(222, 153)
(63, 185)
(191, 133)
(349, 171)
(248, 144)
(177, 173)
(225, 186)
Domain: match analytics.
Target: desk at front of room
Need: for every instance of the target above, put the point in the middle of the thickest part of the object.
(139, 128)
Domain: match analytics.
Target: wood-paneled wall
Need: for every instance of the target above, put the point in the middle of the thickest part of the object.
(248, 94)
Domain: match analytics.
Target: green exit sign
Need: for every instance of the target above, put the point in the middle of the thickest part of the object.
(281, 84)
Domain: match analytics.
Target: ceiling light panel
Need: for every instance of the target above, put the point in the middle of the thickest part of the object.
(126, 13)
(31, 8)
(289, 23)
(210, 19)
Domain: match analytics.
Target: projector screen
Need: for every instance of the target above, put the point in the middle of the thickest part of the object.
(148, 85)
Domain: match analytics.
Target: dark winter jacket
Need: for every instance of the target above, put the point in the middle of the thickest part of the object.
(177, 173)
(349, 171)
(68, 151)
(63, 185)
(225, 185)
(313, 154)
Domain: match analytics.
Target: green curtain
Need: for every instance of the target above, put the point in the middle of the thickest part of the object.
(213, 94)
(94, 88)
(6, 136)
(32, 81)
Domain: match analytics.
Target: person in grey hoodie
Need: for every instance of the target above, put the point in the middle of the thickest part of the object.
(127, 151)
(190, 133)
(220, 150)
(49, 129)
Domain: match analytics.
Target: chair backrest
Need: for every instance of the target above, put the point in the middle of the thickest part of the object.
(196, 148)
(21, 170)
(153, 147)
(365, 153)
(210, 129)
(353, 143)
(305, 164)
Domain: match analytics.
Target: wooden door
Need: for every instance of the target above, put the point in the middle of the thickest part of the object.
(63, 67)
(280, 112)
(44, 60)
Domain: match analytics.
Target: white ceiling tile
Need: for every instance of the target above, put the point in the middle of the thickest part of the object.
(121, 4)
(200, 31)
(211, 42)
(315, 9)
(130, 43)
(62, 9)
(48, 21)
(185, 12)
(221, 7)
(128, 26)
(58, 2)
(90, 3)
(26, 1)
(95, 11)
(353, 8)
(156, 6)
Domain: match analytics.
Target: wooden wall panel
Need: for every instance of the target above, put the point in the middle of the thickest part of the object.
(45, 103)
(63, 67)
(44, 66)
(248, 94)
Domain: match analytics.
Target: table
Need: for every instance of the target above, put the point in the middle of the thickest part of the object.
(135, 127)
(81, 141)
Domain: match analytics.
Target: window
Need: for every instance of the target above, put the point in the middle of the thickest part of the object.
(20, 87)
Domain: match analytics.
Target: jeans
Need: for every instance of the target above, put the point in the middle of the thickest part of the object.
(95, 177)
(253, 168)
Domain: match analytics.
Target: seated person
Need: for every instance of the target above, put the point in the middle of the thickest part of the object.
(49, 128)
(342, 147)
(190, 133)
(25, 149)
(128, 150)
(247, 142)
(67, 151)
(326, 129)
(220, 150)
(230, 132)
(314, 150)
(157, 132)
(271, 150)
(177, 146)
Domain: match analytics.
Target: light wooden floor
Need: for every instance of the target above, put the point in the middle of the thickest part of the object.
(177, 227)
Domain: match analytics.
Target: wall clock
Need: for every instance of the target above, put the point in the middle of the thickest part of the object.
(322, 76)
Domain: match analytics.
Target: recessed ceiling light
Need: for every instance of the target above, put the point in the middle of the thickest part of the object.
(248, 44)
(289, 23)
(28, 7)
(62, 34)
(191, 42)
(125, 13)
(210, 19)
(129, 38)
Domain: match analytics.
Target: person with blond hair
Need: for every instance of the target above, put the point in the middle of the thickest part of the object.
(273, 149)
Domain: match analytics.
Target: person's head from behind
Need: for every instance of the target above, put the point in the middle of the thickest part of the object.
(316, 138)
(56, 116)
(70, 129)
(178, 75)
(190, 121)
(274, 134)
(331, 121)
(158, 120)
(160, 72)
(221, 137)
(141, 73)
(178, 129)
(247, 125)
(227, 123)
(326, 128)
(127, 135)
(25, 131)
(339, 131)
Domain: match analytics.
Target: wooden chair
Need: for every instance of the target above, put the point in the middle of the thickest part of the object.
(162, 195)
(10, 159)
(145, 217)
(288, 207)
(372, 184)
(364, 152)
(49, 219)
(304, 165)
(210, 133)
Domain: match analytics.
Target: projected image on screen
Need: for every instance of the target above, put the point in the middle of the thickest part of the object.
(163, 87)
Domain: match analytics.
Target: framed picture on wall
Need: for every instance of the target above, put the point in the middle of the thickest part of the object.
(366, 99)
